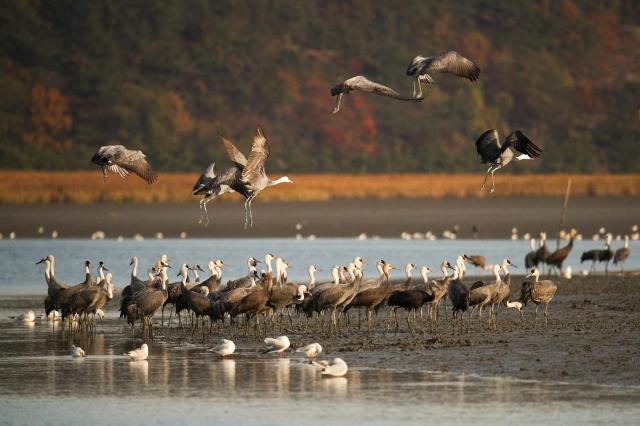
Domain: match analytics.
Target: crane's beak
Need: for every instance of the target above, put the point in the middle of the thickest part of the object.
(41, 261)
(199, 268)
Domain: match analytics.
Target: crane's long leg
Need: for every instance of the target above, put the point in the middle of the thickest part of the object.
(493, 182)
(419, 87)
(250, 213)
(246, 212)
(337, 107)
(414, 88)
(248, 216)
(201, 211)
(486, 176)
(206, 214)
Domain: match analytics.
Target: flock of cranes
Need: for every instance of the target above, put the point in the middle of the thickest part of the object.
(267, 295)
(248, 176)
(541, 255)
(265, 298)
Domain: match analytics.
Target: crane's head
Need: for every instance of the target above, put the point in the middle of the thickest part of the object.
(338, 89)
(415, 65)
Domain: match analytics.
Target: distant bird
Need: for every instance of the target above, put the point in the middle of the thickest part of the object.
(139, 354)
(53, 315)
(336, 368)
(225, 348)
(476, 260)
(557, 258)
(30, 316)
(312, 350)
(121, 161)
(542, 253)
(622, 254)
(530, 258)
(498, 155)
(449, 62)
(247, 177)
(277, 345)
(363, 84)
(77, 352)
(597, 255)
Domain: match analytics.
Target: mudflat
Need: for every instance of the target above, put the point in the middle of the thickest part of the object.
(493, 217)
(591, 336)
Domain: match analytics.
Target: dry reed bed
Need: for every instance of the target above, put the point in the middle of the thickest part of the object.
(24, 187)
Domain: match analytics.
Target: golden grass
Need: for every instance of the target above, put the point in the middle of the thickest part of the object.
(25, 187)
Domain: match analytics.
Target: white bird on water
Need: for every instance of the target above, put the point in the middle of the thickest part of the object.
(28, 317)
(77, 352)
(336, 368)
(54, 315)
(312, 350)
(225, 348)
(277, 345)
(138, 354)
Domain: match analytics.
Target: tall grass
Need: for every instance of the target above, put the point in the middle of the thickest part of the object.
(24, 187)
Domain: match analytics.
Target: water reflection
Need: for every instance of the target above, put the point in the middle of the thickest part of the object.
(37, 364)
(337, 386)
(140, 371)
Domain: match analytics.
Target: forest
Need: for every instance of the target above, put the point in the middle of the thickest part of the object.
(168, 77)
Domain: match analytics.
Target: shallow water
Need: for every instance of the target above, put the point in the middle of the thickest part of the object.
(20, 275)
(185, 384)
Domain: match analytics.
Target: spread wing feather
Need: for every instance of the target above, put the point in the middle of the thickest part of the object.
(453, 63)
(135, 162)
(259, 154)
(234, 153)
(488, 146)
(518, 141)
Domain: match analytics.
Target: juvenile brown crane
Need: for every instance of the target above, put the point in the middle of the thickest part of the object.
(537, 291)
(622, 254)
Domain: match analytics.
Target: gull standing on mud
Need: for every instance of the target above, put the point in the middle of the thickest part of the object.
(498, 155)
(449, 62)
(121, 161)
(336, 368)
(363, 84)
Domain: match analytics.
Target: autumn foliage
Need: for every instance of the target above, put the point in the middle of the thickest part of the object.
(169, 77)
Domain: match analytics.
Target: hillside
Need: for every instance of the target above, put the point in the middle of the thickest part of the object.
(167, 77)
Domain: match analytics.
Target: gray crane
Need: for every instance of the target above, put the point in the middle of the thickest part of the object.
(363, 84)
(498, 155)
(247, 177)
(121, 161)
(449, 62)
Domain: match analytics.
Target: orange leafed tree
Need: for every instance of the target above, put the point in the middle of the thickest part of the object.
(50, 119)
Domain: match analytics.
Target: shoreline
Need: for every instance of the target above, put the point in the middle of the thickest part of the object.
(493, 218)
